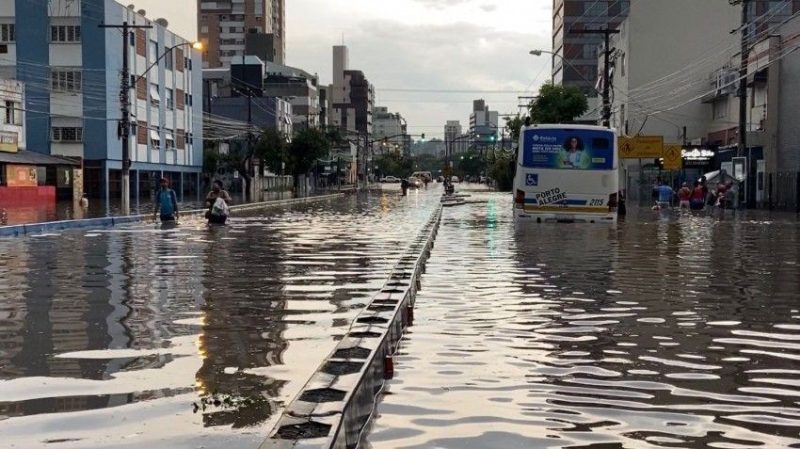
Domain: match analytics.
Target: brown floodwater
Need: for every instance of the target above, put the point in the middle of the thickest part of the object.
(150, 337)
(668, 330)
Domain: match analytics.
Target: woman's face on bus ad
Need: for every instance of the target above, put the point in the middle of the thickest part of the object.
(573, 144)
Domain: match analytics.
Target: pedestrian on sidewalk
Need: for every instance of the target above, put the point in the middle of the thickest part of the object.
(404, 186)
(166, 203)
(684, 194)
(217, 202)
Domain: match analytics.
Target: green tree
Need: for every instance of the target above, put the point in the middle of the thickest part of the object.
(394, 163)
(558, 104)
(471, 164)
(514, 125)
(271, 149)
(502, 165)
(306, 147)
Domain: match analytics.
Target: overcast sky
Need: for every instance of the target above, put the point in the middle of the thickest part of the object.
(440, 45)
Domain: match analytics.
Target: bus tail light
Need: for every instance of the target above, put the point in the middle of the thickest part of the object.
(519, 199)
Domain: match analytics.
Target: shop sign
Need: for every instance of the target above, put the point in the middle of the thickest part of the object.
(9, 142)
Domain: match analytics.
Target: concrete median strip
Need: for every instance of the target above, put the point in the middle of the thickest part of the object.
(334, 406)
(106, 222)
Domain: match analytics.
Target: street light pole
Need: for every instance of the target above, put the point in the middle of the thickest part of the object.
(124, 127)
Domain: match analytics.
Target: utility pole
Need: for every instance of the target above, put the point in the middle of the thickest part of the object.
(124, 128)
(606, 32)
(742, 144)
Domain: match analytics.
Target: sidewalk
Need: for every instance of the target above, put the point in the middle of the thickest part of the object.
(39, 228)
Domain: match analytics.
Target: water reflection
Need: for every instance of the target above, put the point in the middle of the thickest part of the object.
(666, 331)
(185, 336)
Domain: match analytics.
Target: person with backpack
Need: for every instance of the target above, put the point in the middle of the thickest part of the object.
(166, 203)
(217, 202)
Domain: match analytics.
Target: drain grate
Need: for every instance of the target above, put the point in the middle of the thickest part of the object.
(352, 353)
(309, 429)
(380, 308)
(364, 334)
(323, 395)
(342, 368)
(372, 320)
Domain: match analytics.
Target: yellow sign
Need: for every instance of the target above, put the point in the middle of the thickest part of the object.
(9, 142)
(673, 157)
(641, 147)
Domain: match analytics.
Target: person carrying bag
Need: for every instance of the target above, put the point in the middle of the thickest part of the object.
(217, 202)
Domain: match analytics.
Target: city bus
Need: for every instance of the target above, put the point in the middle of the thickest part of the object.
(567, 173)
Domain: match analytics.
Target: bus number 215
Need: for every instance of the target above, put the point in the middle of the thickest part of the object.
(596, 202)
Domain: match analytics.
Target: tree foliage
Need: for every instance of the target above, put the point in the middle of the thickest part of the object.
(394, 163)
(514, 125)
(271, 149)
(558, 104)
(306, 147)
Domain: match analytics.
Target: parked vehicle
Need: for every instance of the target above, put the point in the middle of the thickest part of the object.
(390, 180)
(440, 179)
(482, 180)
(423, 175)
(454, 179)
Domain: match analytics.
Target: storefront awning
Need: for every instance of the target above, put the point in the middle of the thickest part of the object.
(154, 135)
(34, 158)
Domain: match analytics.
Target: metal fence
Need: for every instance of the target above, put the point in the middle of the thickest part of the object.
(784, 191)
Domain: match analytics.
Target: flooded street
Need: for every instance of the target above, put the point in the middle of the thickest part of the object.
(670, 331)
(185, 338)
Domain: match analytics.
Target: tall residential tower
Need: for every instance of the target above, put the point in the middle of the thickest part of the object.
(575, 63)
(231, 29)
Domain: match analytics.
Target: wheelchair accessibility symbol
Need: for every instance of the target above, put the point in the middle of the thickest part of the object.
(532, 179)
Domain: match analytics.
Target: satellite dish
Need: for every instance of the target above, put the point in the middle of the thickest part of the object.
(163, 22)
(131, 6)
(141, 12)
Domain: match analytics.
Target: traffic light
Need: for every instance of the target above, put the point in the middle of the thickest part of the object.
(492, 138)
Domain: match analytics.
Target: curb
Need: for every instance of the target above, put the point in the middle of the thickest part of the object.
(106, 222)
(334, 406)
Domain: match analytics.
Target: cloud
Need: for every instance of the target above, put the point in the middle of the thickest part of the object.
(442, 4)
(446, 57)
(489, 8)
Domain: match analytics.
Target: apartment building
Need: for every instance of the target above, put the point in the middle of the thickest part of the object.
(71, 68)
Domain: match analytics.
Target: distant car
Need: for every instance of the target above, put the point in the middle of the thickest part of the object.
(390, 179)
(482, 180)
(414, 183)
(455, 179)
(440, 179)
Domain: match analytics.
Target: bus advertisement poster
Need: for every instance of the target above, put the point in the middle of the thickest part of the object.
(568, 149)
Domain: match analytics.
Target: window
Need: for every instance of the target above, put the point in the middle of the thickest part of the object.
(65, 33)
(66, 80)
(67, 134)
(189, 138)
(186, 99)
(7, 32)
(169, 61)
(9, 115)
(155, 139)
(170, 98)
(155, 98)
(170, 139)
(153, 51)
(190, 100)
(132, 39)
